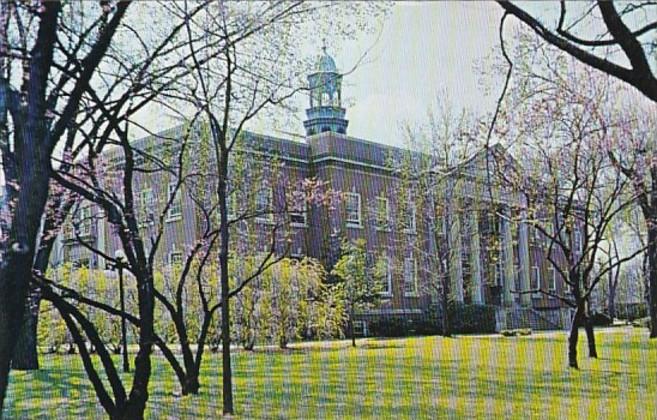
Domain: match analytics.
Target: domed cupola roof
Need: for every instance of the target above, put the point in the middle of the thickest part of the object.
(326, 64)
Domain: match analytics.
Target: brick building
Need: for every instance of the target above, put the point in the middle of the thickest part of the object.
(372, 208)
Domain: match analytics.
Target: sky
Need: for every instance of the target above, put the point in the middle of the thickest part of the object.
(424, 51)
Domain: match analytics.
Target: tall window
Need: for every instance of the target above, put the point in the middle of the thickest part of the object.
(410, 216)
(386, 289)
(84, 220)
(263, 204)
(352, 209)
(382, 213)
(577, 242)
(175, 208)
(410, 277)
(146, 206)
(535, 278)
(552, 278)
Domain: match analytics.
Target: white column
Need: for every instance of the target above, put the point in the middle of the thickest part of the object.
(455, 268)
(475, 258)
(525, 265)
(100, 235)
(509, 274)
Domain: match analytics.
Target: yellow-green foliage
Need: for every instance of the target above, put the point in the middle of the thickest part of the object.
(287, 301)
(95, 284)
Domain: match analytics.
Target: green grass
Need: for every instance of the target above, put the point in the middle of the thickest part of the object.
(424, 377)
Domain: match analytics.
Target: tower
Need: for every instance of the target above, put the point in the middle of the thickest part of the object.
(325, 112)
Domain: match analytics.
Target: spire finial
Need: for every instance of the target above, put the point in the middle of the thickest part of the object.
(324, 45)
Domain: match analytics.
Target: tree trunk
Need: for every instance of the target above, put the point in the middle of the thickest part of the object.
(652, 263)
(573, 337)
(25, 354)
(191, 384)
(227, 374)
(590, 337)
(611, 303)
(445, 304)
(351, 328)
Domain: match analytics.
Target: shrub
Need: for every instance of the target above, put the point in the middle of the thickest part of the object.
(514, 333)
(470, 319)
(631, 311)
(598, 319)
(390, 327)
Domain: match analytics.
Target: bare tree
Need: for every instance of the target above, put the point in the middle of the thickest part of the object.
(563, 129)
(629, 33)
(41, 106)
(257, 70)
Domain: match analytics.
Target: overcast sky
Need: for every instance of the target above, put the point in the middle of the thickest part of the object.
(425, 49)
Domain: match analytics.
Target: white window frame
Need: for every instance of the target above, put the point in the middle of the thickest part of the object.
(411, 213)
(173, 255)
(175, 204)
(552, 280)
(388, 280)
(410, 260)
(84, 220)
(577, 240)
(535, 277)
(358, 222)
(303, 213)
(147, 205)
(382, 223)
(268, 216)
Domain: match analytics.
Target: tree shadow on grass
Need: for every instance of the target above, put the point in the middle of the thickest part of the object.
(57, 389)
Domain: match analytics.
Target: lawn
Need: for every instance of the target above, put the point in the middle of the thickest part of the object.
(423, 377)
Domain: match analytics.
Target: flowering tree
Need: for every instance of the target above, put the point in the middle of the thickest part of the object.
(628, 30)
(561, 123)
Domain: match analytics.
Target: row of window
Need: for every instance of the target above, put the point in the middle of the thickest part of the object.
(409, 277)
(382, 217)
(538, 237)
(535, 278)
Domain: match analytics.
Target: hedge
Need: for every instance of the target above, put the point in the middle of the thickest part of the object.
(464, 319)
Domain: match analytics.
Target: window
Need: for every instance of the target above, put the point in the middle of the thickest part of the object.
(175, 257)
(499, 272)
(263, 204)
(410, 277)
(298, 218)
(535, 278)
(552, 279)
(146, 206)
(175, 206)
(538, 236)
(577, 243)
(386, 269)
(409, 216)
(352, 209)
(84, 220)
(382, 215)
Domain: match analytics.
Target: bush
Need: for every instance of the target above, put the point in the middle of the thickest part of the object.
(598, 319)
(631, 311)
(514, 333)
(390, 327)
(471, 319)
